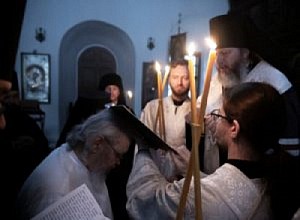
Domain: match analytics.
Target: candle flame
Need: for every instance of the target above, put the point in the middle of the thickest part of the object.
(129, 94)
(211, 43)
(167, 69)
(191, 49)
(157, 66)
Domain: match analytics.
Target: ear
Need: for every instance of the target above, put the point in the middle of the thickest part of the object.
(234, 129)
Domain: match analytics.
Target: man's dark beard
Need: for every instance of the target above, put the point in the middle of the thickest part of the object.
(180, 96)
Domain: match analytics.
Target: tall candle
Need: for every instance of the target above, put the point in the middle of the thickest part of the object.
(160, 102)
(159, 80)
(209, 69)
(195, 139)
(194, 161)
(191, 51)
(167, 70)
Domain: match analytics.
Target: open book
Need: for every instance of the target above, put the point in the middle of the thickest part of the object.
(131, 125)
(79, 204)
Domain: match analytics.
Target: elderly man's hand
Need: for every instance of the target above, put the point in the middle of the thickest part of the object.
(181, 160)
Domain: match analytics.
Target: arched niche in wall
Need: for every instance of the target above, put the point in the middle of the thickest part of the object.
(93, 63)
(78, 39)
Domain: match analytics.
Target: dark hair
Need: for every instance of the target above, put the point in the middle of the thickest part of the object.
(113, 79)
(181, 62)
(260, 111)
(230, 30)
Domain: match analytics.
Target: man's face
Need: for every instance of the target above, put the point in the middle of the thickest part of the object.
(231, 64)
(114, 92)
(179, 81)
(114, 150)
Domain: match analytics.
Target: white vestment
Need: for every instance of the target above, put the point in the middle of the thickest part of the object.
(174, 129)
(225, 194)
(60, 173)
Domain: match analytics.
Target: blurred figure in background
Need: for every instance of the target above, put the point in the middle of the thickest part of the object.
(23, 142)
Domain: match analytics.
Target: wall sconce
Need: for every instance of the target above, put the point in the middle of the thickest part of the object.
(40, 34)
(150, 43)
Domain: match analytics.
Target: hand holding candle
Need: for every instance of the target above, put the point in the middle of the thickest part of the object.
(196, 128)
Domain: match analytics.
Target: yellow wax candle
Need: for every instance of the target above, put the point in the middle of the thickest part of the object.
(209, 69)
(191, 51)
(161, 118)
(167, 70)
(159, 80)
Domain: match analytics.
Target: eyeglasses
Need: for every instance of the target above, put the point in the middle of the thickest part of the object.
(216, 114)
(117, 154)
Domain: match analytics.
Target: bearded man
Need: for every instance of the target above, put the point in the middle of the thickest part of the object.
(237, 61)
(175, 107)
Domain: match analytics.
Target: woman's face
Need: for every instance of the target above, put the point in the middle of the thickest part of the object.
(114, 92)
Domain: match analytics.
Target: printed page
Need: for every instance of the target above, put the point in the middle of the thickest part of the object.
(79, 204)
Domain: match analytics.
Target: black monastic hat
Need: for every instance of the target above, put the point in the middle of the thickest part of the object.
(230, 30)
(136, 129)
(110, 79)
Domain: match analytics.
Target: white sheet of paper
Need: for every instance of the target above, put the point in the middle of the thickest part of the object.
(79, 204)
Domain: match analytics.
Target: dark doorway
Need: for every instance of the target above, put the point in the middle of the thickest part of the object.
(92, 64)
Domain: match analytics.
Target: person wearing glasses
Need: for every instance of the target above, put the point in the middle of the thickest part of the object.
(92, 149)
(239, 59)
(248, 124)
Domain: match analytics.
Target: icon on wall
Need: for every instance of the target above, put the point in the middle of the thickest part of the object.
(35, 77)
(149, 84)
(177, 46)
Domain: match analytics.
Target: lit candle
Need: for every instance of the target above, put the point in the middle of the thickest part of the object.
(167, 70)
(160, 102)
(191, 51)
(159, 80)
(129, 94)
(196, 129)
(209, 68)
(195, 136)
